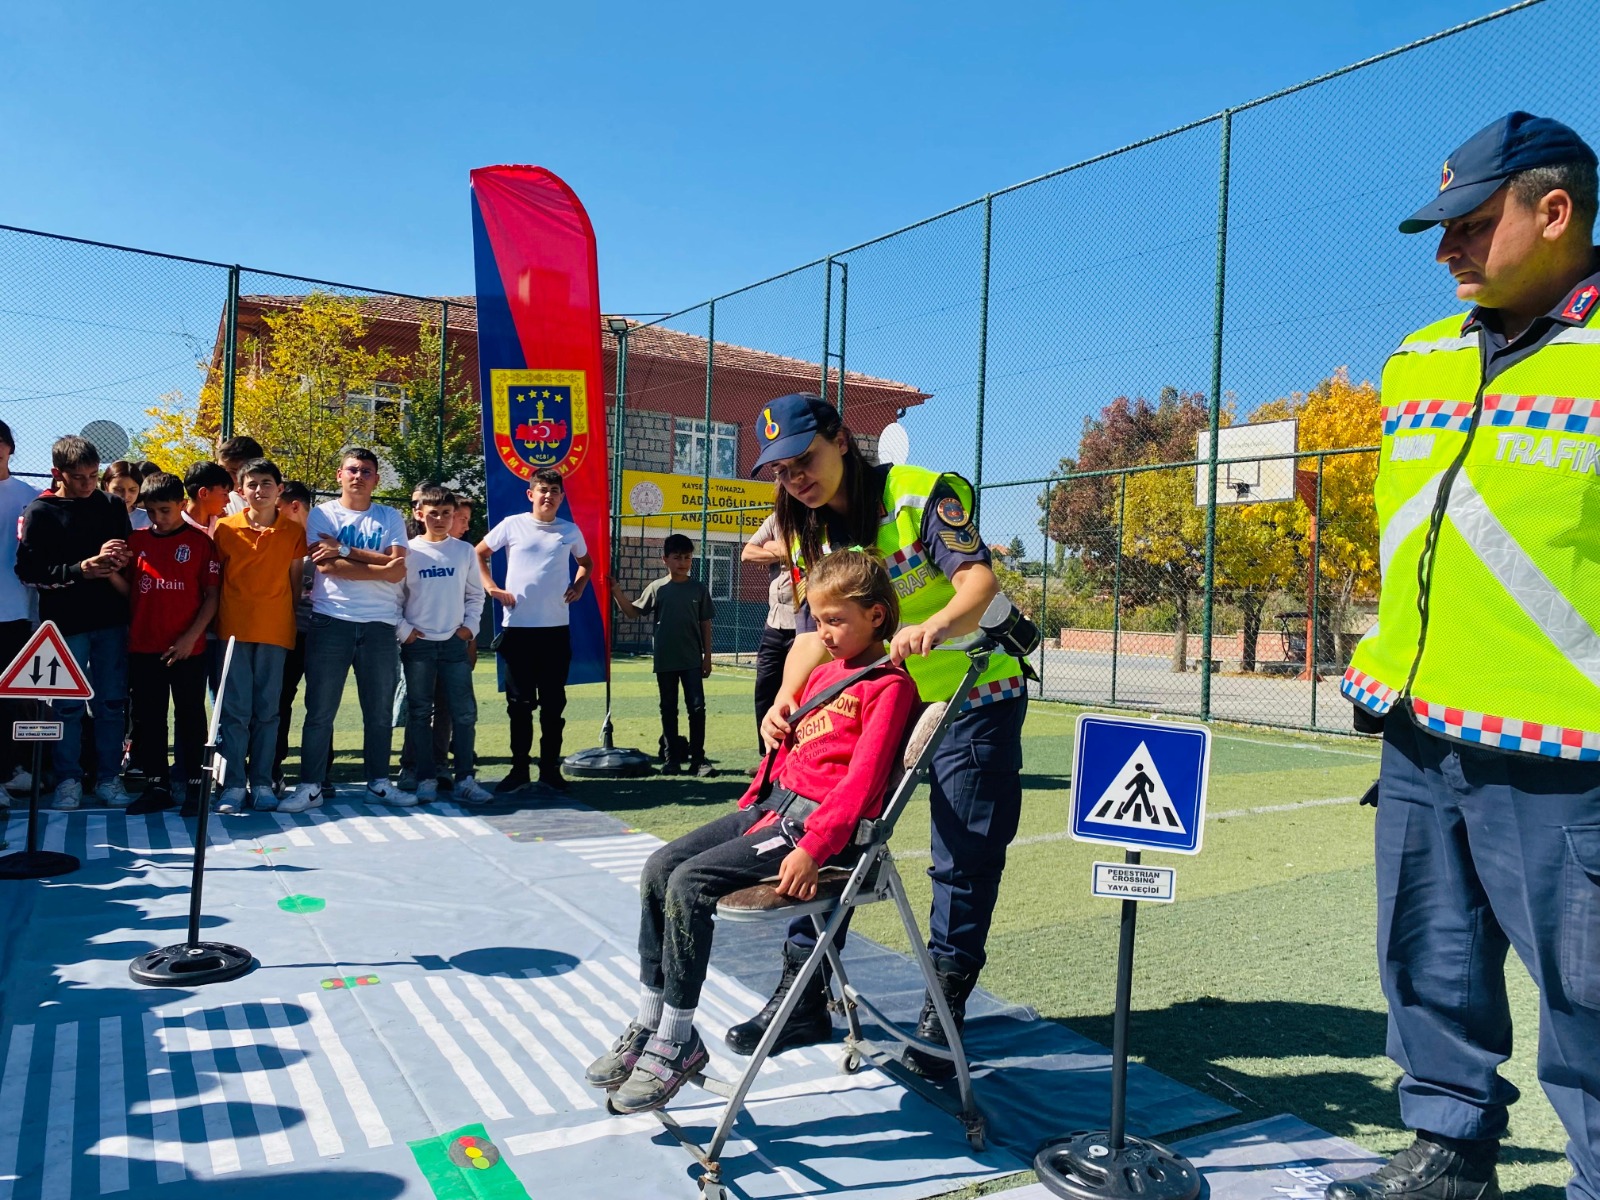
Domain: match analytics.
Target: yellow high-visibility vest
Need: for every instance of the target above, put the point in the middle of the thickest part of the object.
(923, 588)
(1488, 498)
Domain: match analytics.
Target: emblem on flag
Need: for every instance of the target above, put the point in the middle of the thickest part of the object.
(541, 420)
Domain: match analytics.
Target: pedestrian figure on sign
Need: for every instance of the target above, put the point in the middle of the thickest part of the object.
(1142, 785)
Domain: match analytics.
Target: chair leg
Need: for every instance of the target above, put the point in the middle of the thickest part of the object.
(852, 1018)
(735, 1105)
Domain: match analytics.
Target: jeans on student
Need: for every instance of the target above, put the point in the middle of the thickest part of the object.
(443, 665)
(250, 713)
(332, 648)
(105, 651)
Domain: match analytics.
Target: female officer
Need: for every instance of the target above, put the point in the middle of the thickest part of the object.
(829, 497)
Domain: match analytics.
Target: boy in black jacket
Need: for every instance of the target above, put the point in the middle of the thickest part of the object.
(74, 546)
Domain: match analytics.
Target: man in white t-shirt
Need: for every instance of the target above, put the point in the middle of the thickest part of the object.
(536, 643)
(16, 612)
(359, 549)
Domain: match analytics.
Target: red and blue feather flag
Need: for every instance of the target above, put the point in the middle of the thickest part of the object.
(542, 385)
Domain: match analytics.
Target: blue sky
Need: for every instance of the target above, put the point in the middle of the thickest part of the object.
(713, 143)
(717, 144)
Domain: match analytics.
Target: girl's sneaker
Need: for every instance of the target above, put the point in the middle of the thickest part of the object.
(662, 1069)
(613, 1067)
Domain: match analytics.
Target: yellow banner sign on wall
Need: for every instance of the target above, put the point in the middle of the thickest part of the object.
(667, 502)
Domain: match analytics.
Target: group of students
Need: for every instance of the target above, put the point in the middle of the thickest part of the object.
(150, 578)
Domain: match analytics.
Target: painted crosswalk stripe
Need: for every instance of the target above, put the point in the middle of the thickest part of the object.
(466, 820)
(209, 1096)
(330, 829)
(16, 834)
(506, 1064)
(577, 1095)
(291, 829)
(599, 1034)
(113, 1146)
(575, 979)
(344, 1070)
(525, 999)
(95, 836)
(163, 1105)
(433, 823)
(177, 835)
(319, 1121)
(359, 823)
(217, 834)
(397, 826)
(54, 837)
(477, 1086)
(258, 1086)
(13, 1089)
(56, 1177)
(138, 833)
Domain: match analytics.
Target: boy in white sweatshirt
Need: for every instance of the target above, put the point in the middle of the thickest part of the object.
(443, 604)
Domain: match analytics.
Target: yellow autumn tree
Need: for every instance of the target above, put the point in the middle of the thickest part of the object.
(177, 435)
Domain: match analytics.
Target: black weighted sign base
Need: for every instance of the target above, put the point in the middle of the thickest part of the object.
(191, 964)
(37, 864)
(1083, 1166)
(603, 762)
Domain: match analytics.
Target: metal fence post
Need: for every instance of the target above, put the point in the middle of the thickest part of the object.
(1215, 416)
(983, 354)
(1316, 592)
(230, 352)
(827, 321)
(705, 481)
(438, 433)
(1116, 589)
(844, 320)
(618, 458)
(1044, 586)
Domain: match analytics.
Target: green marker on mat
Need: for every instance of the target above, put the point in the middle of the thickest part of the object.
(302, 904)
(465, 1165)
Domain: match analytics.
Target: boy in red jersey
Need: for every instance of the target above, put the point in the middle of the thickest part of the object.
(173, 577)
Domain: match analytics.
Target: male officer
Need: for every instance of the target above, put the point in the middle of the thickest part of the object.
(1484, 668)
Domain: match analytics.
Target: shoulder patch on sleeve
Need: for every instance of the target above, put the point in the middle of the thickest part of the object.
(953, 513)
(961, 542)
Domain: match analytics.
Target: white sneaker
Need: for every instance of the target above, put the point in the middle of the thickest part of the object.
(20, 781)
(232, 801)
(69, 794)
(470, 791)
(263, 798)
(113, 793)
(381, 791)
(307, 795)
(427, 791)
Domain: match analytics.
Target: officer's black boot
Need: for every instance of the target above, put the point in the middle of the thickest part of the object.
(697, 746)
(550, 754)
(809, 1023)
(956, 988)
(1433, 1167)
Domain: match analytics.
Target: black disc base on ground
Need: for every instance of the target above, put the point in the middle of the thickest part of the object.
(37, 864)
(1083, 1166)
(606, 762)
(190, 964)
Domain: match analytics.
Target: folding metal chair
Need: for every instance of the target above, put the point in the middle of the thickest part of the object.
(872, 879)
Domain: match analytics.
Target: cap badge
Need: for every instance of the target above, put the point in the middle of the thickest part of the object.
(1446, 176)
(772, 431)
(1581, 302)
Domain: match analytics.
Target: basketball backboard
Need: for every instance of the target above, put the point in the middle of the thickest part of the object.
(1261, 469)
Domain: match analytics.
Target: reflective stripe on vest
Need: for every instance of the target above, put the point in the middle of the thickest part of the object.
(923, 588)
(1510, 656)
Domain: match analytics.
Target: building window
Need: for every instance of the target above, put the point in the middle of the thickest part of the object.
(689, 448)
(386, 404)
(722, 559)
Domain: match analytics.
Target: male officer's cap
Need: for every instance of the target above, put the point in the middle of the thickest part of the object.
(785, 426)
(1479, 167)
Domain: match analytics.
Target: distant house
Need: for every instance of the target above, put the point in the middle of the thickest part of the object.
(665, 433)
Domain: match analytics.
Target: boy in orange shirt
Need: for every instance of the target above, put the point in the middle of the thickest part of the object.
(261, 551)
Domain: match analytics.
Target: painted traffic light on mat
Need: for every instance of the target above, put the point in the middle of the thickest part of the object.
(465, 1164)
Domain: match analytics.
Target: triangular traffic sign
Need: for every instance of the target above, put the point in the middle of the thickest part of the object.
(1136, 797)
(45, 670)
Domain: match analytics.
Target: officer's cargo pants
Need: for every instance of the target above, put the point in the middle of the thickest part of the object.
(1479, 850)
(974, 805)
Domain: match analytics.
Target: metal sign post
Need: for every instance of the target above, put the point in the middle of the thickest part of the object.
(43, 669)
(194, 962)
(1140, 785)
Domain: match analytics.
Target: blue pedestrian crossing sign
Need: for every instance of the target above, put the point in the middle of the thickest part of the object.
(1140, 784)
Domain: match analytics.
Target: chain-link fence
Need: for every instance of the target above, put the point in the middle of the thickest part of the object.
(1069, 344)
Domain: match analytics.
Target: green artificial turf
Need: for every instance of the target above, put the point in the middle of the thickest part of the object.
(1258, 986)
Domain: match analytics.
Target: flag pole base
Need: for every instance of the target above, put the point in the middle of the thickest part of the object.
(191, 964)
(1083, 1166)
(607, 762)
(37, 864)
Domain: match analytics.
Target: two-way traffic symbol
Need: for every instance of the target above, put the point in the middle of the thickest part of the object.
(44, 669)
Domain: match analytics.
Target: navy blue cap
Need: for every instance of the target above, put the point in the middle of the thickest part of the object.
(787, 425)
(1478, 168)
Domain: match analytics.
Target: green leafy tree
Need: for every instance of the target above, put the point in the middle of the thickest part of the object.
(422, 452)
(1016, 552)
